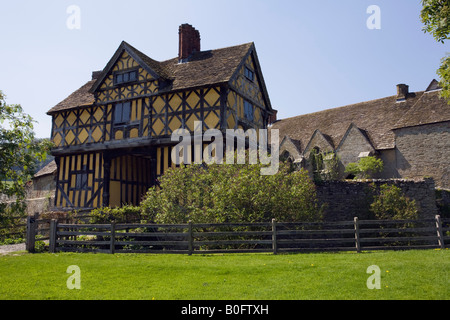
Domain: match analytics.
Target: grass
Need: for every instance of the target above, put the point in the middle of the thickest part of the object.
(405, 275)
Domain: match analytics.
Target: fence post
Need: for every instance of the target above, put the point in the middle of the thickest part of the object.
(274, 236)
(356, 225)
(52, 240)
(31, 233)
(439, 232)
(190, 238)
(112, 246)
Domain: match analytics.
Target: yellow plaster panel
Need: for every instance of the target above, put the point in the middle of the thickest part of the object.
(134, 133)
(174, 124)
(231, 122)
(190, 121)
(69, 137)
(71, 118)
(59, 120)
(212, 120)
(175, 102)
(193, 99)
(57, 139)
(158, 127)
(98, 115)
(83, 135)
(212, 98)
(118, 135)
(158, 162)
(114, 193)
(158, 104)
(97, 134)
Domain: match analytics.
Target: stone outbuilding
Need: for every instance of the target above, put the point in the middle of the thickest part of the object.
(409, 131)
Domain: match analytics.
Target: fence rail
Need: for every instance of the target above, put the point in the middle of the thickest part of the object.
(276, 237)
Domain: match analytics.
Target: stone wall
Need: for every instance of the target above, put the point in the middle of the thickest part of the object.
(347, 199)
(424, 151)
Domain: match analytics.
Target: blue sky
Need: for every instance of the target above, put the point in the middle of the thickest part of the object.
(314, 55)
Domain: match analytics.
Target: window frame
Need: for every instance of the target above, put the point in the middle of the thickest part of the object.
(247, 107)
(249, 74)
(123, 120)
(122, 74)
(81, 179)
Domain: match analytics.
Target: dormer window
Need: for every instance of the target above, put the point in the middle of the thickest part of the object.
(124, 77)
(249, 74)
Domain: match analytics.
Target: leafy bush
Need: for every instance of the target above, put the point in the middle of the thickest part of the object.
(392, 204)
(365, 168)
(231, 193)
(107, 214)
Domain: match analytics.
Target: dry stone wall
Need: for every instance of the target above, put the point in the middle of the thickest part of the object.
(347, 199)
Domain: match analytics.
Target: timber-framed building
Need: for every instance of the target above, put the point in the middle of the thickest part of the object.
(112, 136)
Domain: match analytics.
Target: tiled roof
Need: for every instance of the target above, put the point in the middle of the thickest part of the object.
(376, 118)
(206, 67)
(202, 69)
(430, 108)
(50, 168)
(79, 98)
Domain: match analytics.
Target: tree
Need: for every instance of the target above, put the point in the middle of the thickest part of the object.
(365, 168)
(19, 154)
(231, 193)
(435, 16)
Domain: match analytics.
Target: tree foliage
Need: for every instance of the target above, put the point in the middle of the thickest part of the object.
(435, 15)
(231, 193)
(19, 154)
(365, 168)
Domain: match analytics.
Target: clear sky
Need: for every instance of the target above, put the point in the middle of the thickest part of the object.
(314, 55)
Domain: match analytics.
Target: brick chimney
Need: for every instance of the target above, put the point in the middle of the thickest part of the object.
(189, 41)
(273, 117)
(402, 92)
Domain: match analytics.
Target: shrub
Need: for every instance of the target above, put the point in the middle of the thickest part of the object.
(365, 168)
(126, 213)
(231, 193)
(392, 204)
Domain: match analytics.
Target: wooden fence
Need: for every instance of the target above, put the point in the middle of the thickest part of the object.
(276, 237)
(14, 228)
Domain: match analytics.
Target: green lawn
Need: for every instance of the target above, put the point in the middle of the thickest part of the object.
(415, 274)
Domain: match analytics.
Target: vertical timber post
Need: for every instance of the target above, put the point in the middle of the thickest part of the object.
(52, 240)
(440, 235)
(113, 238)
(190, 238)
(31, 232)
(274, 236)
(357, 243)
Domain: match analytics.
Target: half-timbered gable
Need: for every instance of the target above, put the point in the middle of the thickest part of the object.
(112, 136)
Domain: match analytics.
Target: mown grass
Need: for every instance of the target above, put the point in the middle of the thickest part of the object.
(405, 275)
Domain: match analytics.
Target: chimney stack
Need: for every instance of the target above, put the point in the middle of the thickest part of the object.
(189, 41)
(402, 92)
(96, 74)
(273, 117)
